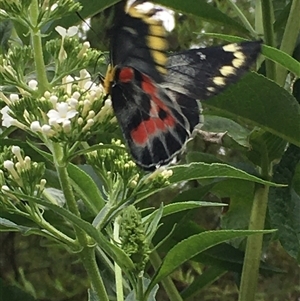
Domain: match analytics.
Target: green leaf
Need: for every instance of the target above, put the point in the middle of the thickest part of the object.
(194, 245)
(223, 255)
(284, 204)
(182, 206)
(225, 37)
(241, 199)
(265, 105)
(265, 147)
(282, 59)
(201, 170)
(86, 188)
(284, 208)
(203, 10)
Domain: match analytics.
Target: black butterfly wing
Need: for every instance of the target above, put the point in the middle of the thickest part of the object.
(139, 41)
(204, 72)
(155, 97)
(155, 122)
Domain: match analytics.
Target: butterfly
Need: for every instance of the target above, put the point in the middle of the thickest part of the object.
(155, 96)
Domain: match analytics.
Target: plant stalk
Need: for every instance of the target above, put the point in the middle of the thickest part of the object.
(243, 18)
(43, 84)
(268, 21)
(118, 271)
(289, 38)
(252, 258)
(87, 253)
(87, 256)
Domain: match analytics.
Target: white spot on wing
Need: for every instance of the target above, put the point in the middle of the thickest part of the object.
(202, 56)
(211, 89)
(130, 30)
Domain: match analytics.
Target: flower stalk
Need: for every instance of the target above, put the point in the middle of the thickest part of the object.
(37, 48)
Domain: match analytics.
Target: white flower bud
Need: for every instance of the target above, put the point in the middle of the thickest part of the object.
(5, 188)
(73, 102)
(80, 121)
(91, 114)
(76, 95)
(17, 152)
(46, 129)
(47, 94)
(8, 164)
(53, 99)
(67, 126)
(33, 84)
(35, 126)
(14, 97)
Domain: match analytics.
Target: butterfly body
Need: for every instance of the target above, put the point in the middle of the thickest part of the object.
(155, 97)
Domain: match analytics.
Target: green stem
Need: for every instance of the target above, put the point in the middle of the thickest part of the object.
(43, 84)
(118, 271)
(167, 283)
(254, 245)
(289, 38)
(268, 21)
(140, 289)
(87, 256)
(87, 253)
(242, 17)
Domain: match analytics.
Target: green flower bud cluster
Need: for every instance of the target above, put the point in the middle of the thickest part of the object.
(17, 10)
(115, 161)
(133, 237)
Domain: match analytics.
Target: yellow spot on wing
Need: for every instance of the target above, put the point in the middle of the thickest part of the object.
(237, 63)
(219, 81)
(227, 70)
(157, 43)
(157, 30)
(159, 57)
(109, 78)
(239, 55)
(231, 48)
(155, 39)
(161, 69)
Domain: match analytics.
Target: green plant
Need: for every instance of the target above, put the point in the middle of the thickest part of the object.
(48, 94)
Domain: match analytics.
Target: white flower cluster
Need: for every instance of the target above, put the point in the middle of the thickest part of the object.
(20, 170)
(77, 107)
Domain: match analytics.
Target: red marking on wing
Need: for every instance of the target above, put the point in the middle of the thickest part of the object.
(155, 124)
(149, 87)
(150, 127)
(126, 75)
